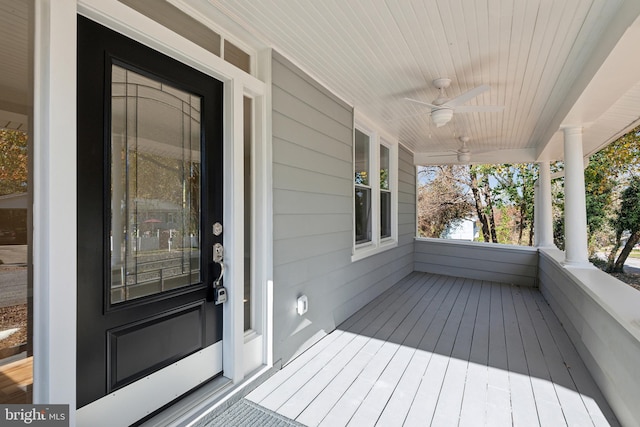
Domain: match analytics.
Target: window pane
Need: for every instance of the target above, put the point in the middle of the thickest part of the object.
(155, 187)
(385, 214)
(248, 208)
(362, 158)
(363, 214)
(164, 13)
(236, 56)
(384, 168)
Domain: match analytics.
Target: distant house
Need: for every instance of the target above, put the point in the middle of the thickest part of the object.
(13, 219)
(464, 229)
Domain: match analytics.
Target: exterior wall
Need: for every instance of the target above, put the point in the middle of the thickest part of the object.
(499, 263)
(600, 316)
(313, 214)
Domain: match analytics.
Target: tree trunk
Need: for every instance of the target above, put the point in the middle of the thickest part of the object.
(479, 207)
(618, 267)
(492, 218)
(521, 224)
(611, 259)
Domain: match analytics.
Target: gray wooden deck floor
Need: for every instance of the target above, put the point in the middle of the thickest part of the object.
(438, 350)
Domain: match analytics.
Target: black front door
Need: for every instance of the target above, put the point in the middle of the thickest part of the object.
(149, 193)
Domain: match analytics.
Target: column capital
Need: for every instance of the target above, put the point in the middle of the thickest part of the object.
(571, 129)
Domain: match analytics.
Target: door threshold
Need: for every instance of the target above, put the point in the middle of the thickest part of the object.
(216, 393)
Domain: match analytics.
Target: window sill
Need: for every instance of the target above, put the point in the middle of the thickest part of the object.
(368, 249)
(250, 335)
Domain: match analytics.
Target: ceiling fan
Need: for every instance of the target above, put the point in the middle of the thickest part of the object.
(442, 108)
(464, 152)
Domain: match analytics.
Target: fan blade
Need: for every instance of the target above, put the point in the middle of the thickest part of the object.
(421, 103)
(410, 116)
(479, 108)
(485, 151)
(467, 96)
(447, 153)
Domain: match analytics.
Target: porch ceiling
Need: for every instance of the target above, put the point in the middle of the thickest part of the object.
(538, 57)
(14, 57)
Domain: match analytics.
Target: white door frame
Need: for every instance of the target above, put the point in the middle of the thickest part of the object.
(55, 196)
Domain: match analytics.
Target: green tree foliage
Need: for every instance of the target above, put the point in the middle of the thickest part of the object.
(13, 161)
(609, 171)
(516, 187)
(627, 219)
(557, 203)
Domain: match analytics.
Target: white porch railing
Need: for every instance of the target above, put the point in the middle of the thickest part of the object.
(474, 260)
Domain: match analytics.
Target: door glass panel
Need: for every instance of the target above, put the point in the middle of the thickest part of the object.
(155, 187)
(16, 201)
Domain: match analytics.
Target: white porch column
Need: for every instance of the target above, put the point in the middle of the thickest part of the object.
(575, 212)
(543, 216)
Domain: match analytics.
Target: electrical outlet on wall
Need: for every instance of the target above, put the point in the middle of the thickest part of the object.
(302, 304)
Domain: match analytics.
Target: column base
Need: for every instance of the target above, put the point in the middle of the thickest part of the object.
(578, 264)
(546, 246)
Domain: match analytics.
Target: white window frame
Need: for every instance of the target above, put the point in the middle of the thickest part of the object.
(377, 138)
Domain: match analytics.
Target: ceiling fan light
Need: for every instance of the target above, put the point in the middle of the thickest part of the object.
(441, 116)
(464, 157)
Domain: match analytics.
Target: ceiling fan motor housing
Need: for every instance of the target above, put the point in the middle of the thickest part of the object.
(464, 157)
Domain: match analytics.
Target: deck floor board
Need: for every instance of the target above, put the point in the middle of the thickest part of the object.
(441, 351)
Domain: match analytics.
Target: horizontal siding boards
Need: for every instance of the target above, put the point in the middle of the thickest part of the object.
(297, 84)
(301, 157)
(291, 202)
(606, 347)
(291, 250)
(518, 266)
(522, 256)
(290, 130)
(292, 178)
(280, 64)
(313, 214)
(470, 263)
(305, 114)
(293, 226)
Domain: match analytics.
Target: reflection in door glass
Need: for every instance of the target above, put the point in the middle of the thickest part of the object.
(16, 200)
(155, 187)
(248, 211)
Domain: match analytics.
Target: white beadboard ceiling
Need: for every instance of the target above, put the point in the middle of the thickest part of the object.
(14, 55)
(549, 62)
(536, 55)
